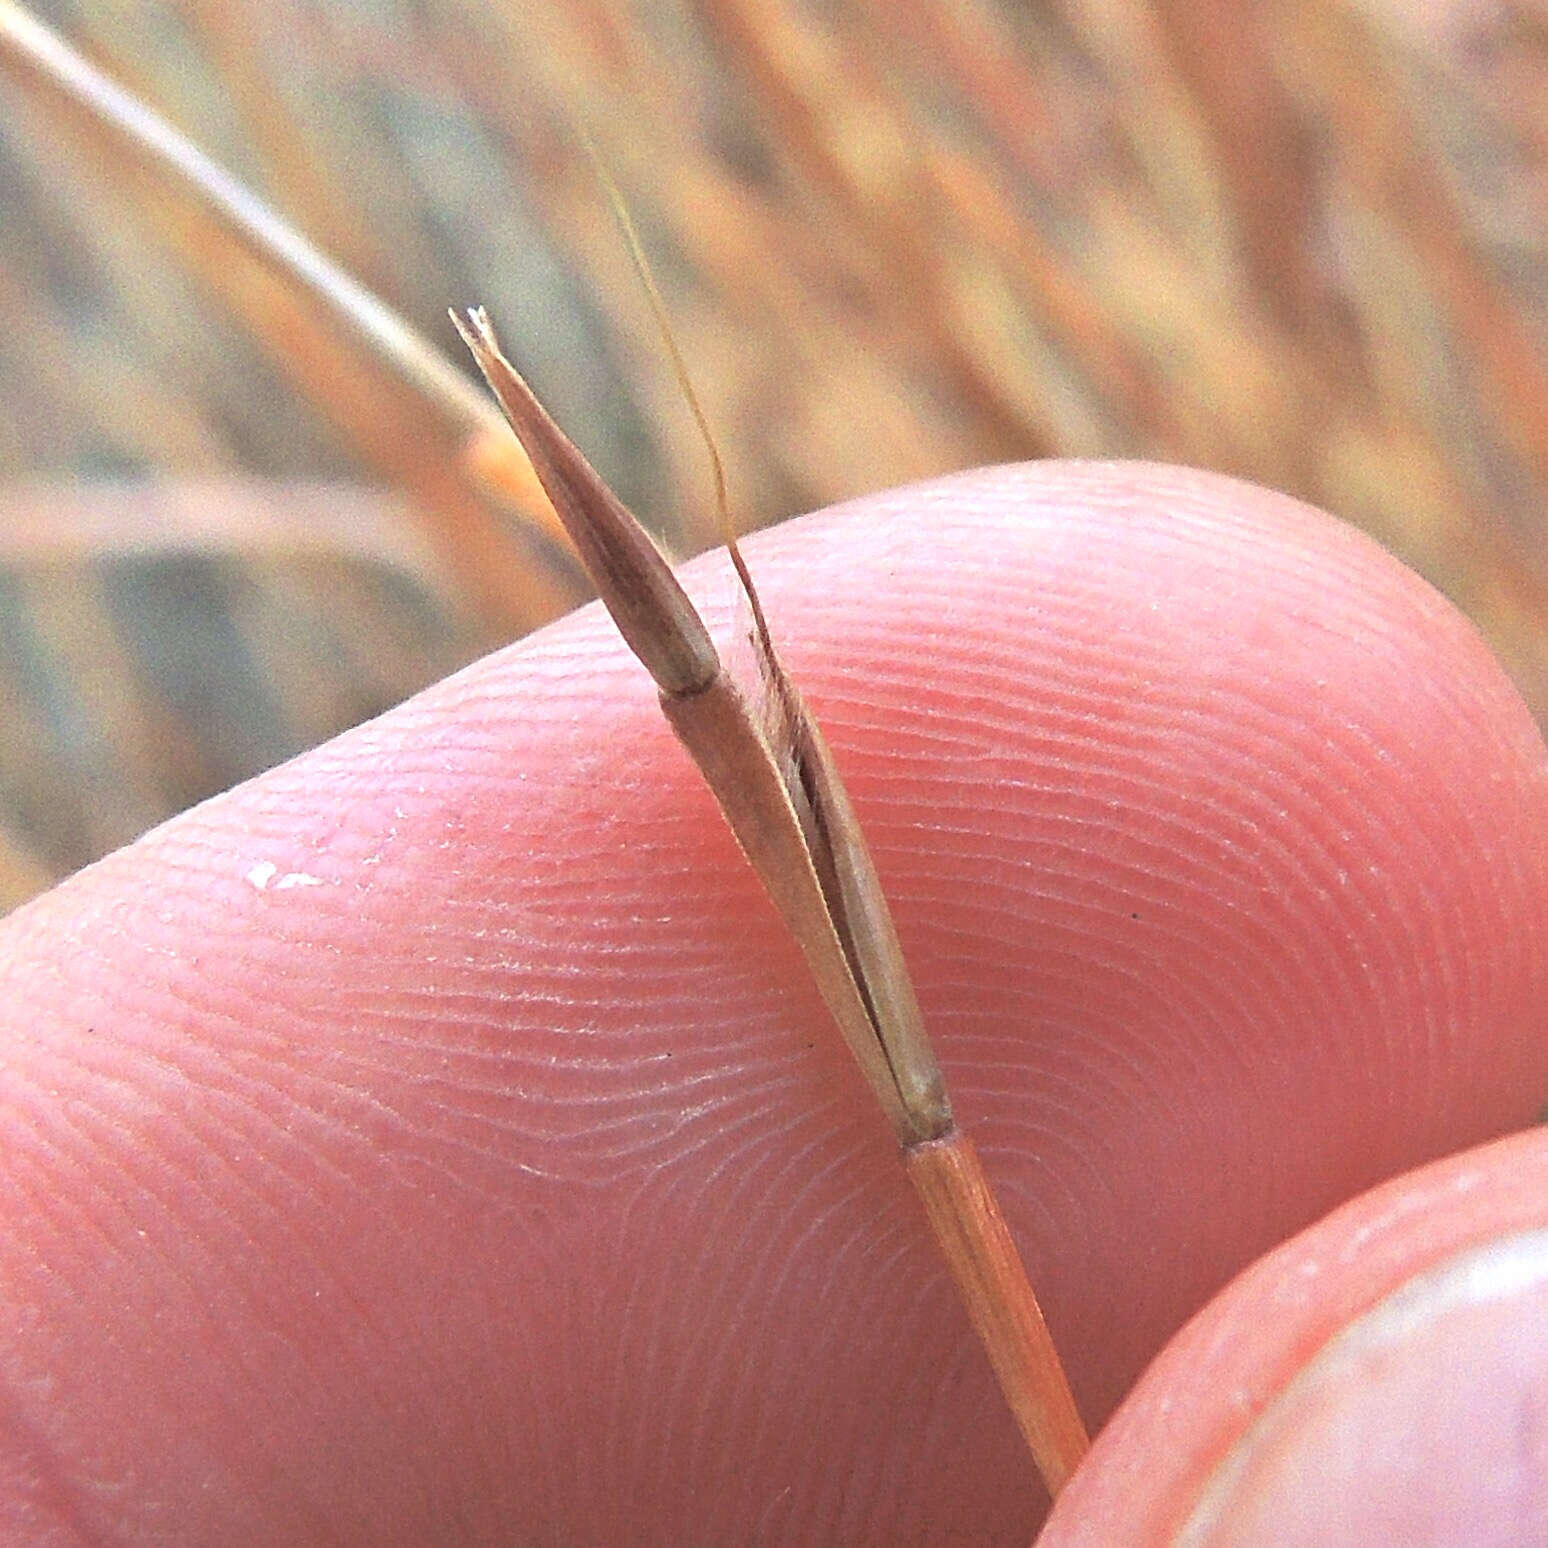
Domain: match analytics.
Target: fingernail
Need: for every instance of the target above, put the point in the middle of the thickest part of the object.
(1424, 1421)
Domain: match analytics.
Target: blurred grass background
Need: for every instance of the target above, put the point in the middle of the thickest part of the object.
(1301, 241)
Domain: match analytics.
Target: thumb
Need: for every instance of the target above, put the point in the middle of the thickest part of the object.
(1373, 1380)
(436, 1139)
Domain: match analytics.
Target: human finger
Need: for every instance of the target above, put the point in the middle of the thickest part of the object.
(438, 1134)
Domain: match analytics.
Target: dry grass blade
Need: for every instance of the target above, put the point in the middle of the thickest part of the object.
(782, 797)
(42, 57)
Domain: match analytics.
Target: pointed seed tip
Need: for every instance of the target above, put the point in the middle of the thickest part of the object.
(461, 325)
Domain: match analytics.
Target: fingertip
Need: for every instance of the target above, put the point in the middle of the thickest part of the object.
(1376, 1379)
(1215, 841)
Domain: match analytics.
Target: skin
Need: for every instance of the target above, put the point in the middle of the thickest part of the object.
(435, 1141)
(1379, 1379)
